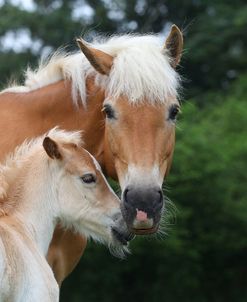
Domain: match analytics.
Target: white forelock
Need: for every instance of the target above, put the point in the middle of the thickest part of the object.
(141, 71)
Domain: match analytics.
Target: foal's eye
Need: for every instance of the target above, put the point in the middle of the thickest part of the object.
(109, 111)
(88, 178)
(173, 112)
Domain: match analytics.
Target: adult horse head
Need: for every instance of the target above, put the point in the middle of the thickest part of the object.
(139, 84)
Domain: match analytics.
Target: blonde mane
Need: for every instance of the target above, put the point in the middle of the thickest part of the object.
(141, 70)
(16, 160)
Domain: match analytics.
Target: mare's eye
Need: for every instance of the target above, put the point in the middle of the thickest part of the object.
(173, 112)
(109, 111)
(88, 178)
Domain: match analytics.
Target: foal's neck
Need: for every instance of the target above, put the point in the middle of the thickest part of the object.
(35, 201)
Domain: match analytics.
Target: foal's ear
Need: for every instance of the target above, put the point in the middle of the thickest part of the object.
(101, 61)
(51, 148)
(174, 44)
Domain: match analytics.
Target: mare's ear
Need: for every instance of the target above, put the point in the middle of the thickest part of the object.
(174, 45)
(101, 61)
(51, 148)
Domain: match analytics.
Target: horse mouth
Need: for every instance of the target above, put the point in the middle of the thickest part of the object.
(122, 238)
(145, 231)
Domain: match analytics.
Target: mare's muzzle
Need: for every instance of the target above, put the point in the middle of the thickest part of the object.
(142, 208)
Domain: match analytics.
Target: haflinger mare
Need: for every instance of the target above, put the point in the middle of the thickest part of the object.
(48, 180)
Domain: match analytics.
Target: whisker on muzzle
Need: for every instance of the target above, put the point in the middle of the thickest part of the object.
(168, 219)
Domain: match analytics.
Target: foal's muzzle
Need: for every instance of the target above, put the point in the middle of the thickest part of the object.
(142, 208)
(120, 231)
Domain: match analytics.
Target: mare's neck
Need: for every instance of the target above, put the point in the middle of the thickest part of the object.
(42, 109)
(36, 204)
(60, 110)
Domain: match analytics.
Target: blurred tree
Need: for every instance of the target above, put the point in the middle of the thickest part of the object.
(214, 32)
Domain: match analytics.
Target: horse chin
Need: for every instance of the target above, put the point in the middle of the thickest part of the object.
(120, 242)
(120, 237)
(149, 231)
(118, 250)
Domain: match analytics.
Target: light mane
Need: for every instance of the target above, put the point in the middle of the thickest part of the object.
(16, 160)
(141, 71)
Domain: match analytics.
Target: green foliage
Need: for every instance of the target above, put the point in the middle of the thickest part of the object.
(209, 182)
(215, 39)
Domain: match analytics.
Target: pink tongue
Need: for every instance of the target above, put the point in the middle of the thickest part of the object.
(141, 216)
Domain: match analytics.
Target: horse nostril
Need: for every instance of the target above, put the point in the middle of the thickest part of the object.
(160, 195)
(125, 195)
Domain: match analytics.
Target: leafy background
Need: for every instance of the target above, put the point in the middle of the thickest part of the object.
(203, 257)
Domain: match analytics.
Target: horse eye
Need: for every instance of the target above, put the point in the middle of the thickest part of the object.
(88, 178)
(173, 112)
(109, 111)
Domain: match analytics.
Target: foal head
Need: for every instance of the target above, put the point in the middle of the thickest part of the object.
(85, 199)
(140, 107)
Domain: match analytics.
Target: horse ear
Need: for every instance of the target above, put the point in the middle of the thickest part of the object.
(51, 148)
(101, 61)
(174, 45)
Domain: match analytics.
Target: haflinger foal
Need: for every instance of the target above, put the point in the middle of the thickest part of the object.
(48, 180)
